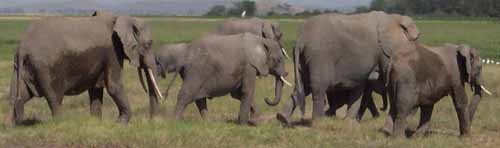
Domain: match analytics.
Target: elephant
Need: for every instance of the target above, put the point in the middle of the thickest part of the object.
(375, 84)
(423, 75)
(209, 72)
(170, 58)
(54, 59)
(264, 28)
(337, 52)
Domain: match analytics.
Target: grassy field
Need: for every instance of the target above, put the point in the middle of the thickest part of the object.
(76, 128)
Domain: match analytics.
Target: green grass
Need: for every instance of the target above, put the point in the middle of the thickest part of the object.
(76, 128)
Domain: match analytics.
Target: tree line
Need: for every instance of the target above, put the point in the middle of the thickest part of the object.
(471, 8)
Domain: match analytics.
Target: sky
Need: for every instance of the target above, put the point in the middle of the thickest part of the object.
(302, 3)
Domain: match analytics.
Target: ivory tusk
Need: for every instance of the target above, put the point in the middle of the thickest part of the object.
(285, 81)
(150, 72)
(284, 52)
(486, 90)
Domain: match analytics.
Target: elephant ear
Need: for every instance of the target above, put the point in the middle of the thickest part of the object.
(409, 28)
(257, 56)
(267, 31)
(128, 34)
(465, 61)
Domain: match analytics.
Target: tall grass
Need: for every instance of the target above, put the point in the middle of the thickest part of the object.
(76, 128)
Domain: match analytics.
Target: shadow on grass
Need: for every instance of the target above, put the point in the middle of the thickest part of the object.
(30, 122)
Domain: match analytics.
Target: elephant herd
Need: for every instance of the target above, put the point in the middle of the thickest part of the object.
(341, 57)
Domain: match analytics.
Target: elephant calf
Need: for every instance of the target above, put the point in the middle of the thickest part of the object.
(216, 65)
(423, 75)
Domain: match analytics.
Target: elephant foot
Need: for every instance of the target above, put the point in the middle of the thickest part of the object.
(123, 119)
(285, 120)
(330, 113)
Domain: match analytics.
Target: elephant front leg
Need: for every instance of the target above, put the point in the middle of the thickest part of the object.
(460, 102)
(95, 96)
(248, 90)
(115, 89)
(318, 104)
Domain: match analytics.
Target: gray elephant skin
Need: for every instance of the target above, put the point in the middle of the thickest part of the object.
(337, 52)
(220, 64)
(423, 75)
(264, 28)
(55, 59)
(375, 84)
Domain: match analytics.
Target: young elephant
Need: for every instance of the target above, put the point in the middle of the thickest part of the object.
(422, 76)
(375, 84)
(55, 59)
(220, 64)
(169, 59)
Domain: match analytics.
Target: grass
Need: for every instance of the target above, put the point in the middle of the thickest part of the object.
(76, 128)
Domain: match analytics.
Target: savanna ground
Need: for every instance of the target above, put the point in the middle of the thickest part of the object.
(76, 128)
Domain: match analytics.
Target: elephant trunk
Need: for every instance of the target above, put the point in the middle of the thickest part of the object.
(277, 90)
(141, 78)
(476, 98)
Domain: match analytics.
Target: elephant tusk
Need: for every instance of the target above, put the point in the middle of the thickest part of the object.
(285, 81)
(157, 91)
(486, 90)
(142, 80)
(284, 53)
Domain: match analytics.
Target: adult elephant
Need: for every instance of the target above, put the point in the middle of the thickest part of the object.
(337, 52)
(422, 75)
(264, 28)
(55, 59)
(210, 73)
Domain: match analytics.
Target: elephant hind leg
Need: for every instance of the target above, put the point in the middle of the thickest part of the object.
(201, 104)
(425, 118)
(96, 100)
(16, 114)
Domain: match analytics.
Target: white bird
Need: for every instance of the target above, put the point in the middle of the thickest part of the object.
(243, 14)
(483, 60)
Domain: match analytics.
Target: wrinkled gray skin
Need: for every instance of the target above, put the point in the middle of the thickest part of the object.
(375, 84)
(170, 58)
(336, 52)
(210, 72)
(55, 59)
(264, 28)
(423, 75)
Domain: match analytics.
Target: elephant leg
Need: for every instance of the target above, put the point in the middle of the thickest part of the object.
(18, 105)
(332, 110)
(372, 107)
(425, 118)
(95, 96)
(201, 104)
(114, 87)
(54, 99)
(460, 102)
(354, 103)
(248, 89)
(318, 103)
(189, 89)
(254, 109)
(404, 104)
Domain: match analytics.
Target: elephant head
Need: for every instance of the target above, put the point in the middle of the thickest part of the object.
(471, 70)
(170, 58)
(133, 38)
(272, 31)
(268, 58)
